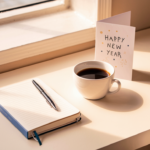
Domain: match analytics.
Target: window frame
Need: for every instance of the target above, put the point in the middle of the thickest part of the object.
(12, 7)
(103, 11)
(33, 11)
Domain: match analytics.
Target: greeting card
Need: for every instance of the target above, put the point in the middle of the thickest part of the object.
(115, 44)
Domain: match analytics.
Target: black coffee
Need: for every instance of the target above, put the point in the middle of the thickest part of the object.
(93, 73)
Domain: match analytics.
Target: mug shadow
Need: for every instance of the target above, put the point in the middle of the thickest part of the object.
(124, 101)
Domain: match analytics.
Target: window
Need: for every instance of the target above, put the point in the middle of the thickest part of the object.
(7, 5)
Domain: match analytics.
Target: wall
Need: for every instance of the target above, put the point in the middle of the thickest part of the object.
(140, 10)
(87, 9)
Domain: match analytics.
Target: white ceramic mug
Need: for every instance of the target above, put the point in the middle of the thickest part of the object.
(95, 88)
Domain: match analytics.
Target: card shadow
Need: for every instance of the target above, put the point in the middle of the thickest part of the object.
(138, 75)
(124, 101)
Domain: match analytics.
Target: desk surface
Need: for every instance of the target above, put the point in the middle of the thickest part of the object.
(123, 116)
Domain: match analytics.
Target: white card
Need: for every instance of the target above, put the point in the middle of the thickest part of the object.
(115, 44)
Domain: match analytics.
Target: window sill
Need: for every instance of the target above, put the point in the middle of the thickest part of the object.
(40, 35)
(27, 38)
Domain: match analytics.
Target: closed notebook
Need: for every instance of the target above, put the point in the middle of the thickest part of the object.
(24, 106)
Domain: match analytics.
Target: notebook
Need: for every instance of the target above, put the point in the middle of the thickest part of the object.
(24, 106)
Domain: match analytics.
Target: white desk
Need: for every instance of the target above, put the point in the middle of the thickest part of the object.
(122, 118)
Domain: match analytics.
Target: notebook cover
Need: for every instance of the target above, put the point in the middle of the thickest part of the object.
(13, 121)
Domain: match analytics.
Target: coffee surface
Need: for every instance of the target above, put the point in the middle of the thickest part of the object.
(93, 73)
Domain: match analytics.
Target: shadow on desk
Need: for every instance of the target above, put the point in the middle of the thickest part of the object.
(79, 137)
(123, 101)
(84, 121)
(140, 75)
(147, 147)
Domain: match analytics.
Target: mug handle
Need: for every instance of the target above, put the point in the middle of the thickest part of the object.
(119, 86)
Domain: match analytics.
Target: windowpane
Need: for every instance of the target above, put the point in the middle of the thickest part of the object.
(13, 4)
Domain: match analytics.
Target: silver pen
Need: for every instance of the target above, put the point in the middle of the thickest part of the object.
(44, 94)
